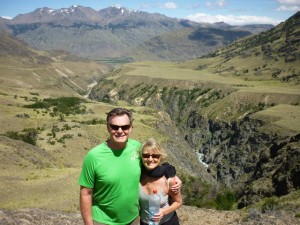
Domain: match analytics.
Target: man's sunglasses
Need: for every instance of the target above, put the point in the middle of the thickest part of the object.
(123, 127)
(154, 156)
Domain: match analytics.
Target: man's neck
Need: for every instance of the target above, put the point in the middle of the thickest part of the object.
(114, 145)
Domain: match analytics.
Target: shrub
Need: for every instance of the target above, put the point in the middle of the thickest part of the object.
(66, 127)
(94, 121)
(261, 105)
(62, 105)
(226, 200)
(64, 137)
(28, 135)
(61, 118)
(51, 142)
(269, 204)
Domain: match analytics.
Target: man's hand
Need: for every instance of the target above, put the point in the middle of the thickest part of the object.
(176, 187)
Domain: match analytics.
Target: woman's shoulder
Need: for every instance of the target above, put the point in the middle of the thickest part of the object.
(164, 184)
(171, 181)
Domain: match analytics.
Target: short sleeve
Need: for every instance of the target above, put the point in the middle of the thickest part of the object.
(87, 175)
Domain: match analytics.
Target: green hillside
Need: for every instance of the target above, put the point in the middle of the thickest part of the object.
(271, 55)
(184, 44)
(32, 166)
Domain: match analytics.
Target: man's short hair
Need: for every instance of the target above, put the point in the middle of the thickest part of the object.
(119, 112)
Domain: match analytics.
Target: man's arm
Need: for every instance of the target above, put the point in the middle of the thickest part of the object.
(86, 195)
(175, 187)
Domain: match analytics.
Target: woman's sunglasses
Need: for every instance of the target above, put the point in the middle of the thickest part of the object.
(123, 127)
(154, 156)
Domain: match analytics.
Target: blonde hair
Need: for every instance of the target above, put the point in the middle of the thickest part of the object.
(153, 145)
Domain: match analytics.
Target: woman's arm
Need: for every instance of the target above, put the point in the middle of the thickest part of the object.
(176, 202)
(86, 205)
(176, 197)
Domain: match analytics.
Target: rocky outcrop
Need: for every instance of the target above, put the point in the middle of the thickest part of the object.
(277, 171)
(257, 164)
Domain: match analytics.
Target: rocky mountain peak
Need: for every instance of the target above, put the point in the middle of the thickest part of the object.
(114, 11)
(222, 25)
(74, 13)
(120, 14)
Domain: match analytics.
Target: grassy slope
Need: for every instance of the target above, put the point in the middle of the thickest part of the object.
(284, 96)
(44, 175)
(29, 178)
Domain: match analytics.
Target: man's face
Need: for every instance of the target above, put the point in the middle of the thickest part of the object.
(119, 128)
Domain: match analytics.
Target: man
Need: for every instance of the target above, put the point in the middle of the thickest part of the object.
(109, 180)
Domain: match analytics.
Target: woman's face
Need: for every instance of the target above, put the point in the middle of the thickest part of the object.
(151, 159)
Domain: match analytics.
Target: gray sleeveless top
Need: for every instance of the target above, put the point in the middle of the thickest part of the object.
(144, 205)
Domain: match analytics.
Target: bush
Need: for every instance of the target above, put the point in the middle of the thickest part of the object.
(62, 105)
(226, 200)
(94, 121)
(270, 204)
(28, 135)
(64, 137)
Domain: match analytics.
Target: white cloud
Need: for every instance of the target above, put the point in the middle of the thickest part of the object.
(231, 19)
(166, 5)
(169, 5)
(288, 8)
(117, 6)
(289, 5)
(289, 2)
(217, 4)
(6, 17)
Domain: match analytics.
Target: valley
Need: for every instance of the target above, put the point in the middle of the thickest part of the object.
(237, 106)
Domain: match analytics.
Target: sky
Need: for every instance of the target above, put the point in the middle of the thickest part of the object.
(233, 12)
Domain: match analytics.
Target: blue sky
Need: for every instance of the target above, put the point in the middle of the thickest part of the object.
(234, 12)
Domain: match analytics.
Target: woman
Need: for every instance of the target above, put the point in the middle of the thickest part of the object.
(160, 177)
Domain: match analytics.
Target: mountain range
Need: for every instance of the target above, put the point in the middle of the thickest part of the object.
(119, 32)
